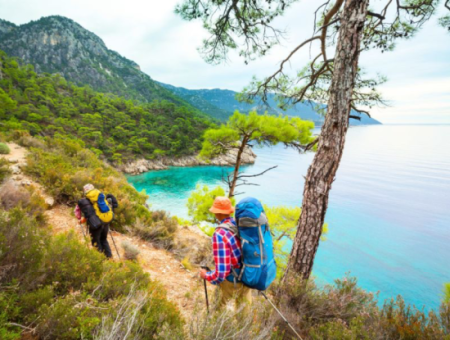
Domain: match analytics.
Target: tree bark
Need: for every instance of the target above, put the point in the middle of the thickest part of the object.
(237, 165)
(326, 161)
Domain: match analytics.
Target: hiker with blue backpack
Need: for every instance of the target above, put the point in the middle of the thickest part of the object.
(243, 250)
(227, 254)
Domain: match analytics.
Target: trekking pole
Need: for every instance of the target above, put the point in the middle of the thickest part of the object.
(112, 238)
(206, 290)
(282, 316)
(114, 242)
(82, 229)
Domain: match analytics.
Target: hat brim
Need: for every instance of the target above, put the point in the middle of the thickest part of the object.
(220, 211)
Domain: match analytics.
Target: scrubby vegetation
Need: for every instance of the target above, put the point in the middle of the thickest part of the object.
(118, 129)
(58, 288)
(159, 230)
(344, 311)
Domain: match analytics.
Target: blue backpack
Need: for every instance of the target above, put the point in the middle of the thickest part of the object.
(258, 267)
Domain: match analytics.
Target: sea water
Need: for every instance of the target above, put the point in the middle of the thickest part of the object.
(388, 214)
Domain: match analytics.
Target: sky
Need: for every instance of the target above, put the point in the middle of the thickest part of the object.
(151, 34)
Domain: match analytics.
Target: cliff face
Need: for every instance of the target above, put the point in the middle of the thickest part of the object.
(59, 45)
(143, 165)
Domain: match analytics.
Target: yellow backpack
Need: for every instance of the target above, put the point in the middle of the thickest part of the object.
(101, 206)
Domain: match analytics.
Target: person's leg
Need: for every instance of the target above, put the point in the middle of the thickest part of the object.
(227, 291)
(104, 241)
(244, 295)
(95, 238)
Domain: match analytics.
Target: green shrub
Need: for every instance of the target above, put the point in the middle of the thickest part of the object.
(117, 280)
(70, 264)
(9, 311)
(73, 316)
(4, 149)
(31, 301)
(201, 200)
(22, 247)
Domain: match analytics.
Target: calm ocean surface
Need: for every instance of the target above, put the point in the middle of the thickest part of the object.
(389, 209)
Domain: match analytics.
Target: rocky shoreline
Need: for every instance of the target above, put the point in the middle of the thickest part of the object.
(143, 165)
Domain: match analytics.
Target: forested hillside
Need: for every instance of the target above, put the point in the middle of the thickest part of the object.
(119, 129)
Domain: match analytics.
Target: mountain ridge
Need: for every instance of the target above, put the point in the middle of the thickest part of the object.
(224, 100)
(56, 44)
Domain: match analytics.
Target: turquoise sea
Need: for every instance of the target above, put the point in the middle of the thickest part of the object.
(389, 209)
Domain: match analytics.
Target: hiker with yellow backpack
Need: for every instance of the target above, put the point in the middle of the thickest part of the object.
(98, 213)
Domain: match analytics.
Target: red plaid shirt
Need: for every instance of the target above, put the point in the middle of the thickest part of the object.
(227, 253)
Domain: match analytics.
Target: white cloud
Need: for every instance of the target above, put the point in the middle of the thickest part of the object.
(165, 46)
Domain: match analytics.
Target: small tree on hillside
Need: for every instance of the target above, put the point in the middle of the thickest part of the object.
(246, 130)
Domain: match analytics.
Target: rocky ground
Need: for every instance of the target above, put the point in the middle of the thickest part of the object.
(183, 286)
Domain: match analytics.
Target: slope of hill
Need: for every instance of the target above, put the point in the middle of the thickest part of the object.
(57, 44)
(222, 103)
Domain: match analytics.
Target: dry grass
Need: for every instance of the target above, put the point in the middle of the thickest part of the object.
(160, 231)
(131, 251)
(126, 324)
(254, 322)
(11, 195)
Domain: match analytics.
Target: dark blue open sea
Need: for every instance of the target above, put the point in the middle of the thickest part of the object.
(389, 210)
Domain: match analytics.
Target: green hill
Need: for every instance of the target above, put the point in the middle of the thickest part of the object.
(48, 105)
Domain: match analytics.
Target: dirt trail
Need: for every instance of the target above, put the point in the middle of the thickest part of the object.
(183, 287)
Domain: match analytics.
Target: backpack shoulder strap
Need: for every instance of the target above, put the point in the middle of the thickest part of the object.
(231, 227)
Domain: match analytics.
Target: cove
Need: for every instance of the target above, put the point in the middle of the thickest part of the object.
(388, 213)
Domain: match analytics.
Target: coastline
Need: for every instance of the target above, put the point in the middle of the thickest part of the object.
(143, 165)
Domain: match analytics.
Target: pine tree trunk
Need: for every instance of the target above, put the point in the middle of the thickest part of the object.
(323, 169)
(237, 166)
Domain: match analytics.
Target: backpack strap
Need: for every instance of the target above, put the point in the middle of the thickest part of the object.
(233, 276)
(231, 227)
